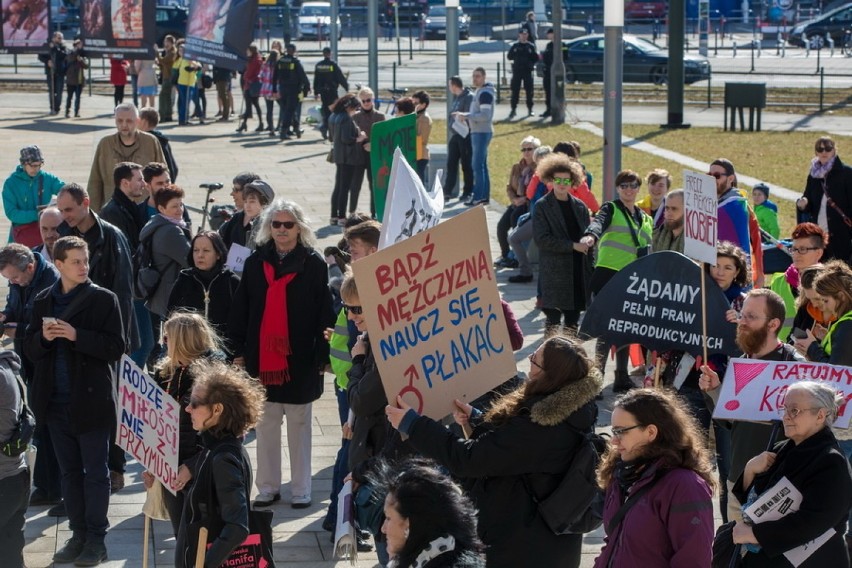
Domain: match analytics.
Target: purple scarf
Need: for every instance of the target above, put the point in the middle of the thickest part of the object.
(818, 169)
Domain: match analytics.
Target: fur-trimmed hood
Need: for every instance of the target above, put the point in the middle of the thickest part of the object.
(555, 408)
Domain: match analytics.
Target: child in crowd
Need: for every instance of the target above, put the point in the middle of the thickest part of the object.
(766, 210)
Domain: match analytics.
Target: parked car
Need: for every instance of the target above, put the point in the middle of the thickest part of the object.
(436, 23)
(833, 23)
(171, 20)
(645, 10)
(644, 61)
(315, 20)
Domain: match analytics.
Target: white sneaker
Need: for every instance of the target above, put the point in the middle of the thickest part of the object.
(300, 501)
(266, 499)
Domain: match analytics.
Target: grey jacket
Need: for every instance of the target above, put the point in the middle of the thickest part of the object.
(170, 254)
(461, 103)
(10, 408)
(481, 115)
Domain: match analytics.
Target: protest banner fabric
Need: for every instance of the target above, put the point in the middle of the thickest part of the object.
(754, 389)
(219, 32)
(435, 321)
(385, 137)
(700, 216)
(125, 29)
(26, 26)
(148, 423)
(409, 208)
(655, 301)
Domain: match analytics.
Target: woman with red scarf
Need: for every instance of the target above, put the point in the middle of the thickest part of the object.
(278, 316)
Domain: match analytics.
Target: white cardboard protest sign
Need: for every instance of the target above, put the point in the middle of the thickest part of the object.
(409, 208)
(700, 217)
(237, 256)
(148, 423)
(754, 389)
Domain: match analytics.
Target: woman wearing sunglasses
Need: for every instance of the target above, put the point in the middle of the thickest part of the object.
(278, 316)
(827, 200)
(224, 405)
(559, 221)
(623, 233)
(659, 484)
(518, 453)
(190, 342)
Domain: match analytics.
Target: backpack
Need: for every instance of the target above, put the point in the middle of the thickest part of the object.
(576, 505)
(146, 278)
(22, 435)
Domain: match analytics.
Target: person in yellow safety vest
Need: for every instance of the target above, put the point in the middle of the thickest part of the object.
(623, 233)
(809, 242)
(834, 288)
(362, 239)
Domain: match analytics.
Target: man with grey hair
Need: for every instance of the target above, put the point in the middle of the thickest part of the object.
(128, 144)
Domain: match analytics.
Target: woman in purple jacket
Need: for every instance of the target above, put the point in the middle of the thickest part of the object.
(658, 509)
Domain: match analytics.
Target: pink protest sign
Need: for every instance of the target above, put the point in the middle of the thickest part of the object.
(754, 389)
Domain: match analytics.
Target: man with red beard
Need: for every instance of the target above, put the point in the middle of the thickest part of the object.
(759, 322)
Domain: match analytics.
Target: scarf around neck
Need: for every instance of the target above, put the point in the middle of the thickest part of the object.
(435, 548)
(819, 170)
(275, 330)
(179, 222)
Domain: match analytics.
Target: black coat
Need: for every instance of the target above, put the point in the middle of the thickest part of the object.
(838, 181)
(127, 216)
(99, 345)
(456, 559)
(367, 401)
(309, 313)
(233, 231)
(537, 443)
(818, 468)
(210, 297)
(222, 482)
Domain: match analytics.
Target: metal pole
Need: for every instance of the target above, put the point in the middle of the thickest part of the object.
(398, 41)
(373, 45)
(613, 75)
(333, 28)
(502, 79)
(499, 84)
(557, 70)
(393, 69)
(410, 34)
(452, 53)
(709, 80)
(821, 87)
(677, 23)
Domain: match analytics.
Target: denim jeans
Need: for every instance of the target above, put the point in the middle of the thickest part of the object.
(340, 464)
(85, 476)
(481, 182)
(146, 334)
(14, 497)
(185, 94)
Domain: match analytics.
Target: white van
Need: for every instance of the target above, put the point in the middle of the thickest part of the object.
(315, 20)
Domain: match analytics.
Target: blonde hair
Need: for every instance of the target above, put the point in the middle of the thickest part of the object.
(189, 337)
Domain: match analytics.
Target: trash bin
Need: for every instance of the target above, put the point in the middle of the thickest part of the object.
(438, 161)
(739, 96)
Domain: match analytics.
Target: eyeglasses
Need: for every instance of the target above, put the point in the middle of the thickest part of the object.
(35, 164)
(236, 189)
(525, 150)
(563, 181)
(717, 175)
(534, 363)
(285, 224)
(631, 185)
(821, 149)
(366, 100)
(357, 310)
(750, 317)
(793, 412)
(620, 432)
(803, 250)
(195, 403)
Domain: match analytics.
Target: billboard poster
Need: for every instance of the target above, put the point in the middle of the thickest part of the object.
(125, 29)
(219, 32)
(26, 26)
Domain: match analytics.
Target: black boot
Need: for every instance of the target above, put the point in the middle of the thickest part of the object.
(242, 127)
(260, 127)
(622, 382)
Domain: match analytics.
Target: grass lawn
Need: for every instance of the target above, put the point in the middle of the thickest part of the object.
(780, 158)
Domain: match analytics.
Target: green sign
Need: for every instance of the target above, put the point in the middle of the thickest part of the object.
(385, 137)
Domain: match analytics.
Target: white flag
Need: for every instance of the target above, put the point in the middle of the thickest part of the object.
(409, 209)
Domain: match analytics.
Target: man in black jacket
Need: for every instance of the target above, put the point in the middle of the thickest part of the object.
(293, 86)
(523, 56)
(149, 118)
(328, 78)
(547, 59)
(75, 341)
(54, 68)
(459, 148)
(124, 209)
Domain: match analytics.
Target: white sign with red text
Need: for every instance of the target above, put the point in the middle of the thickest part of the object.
(754, 389)
(700, 217)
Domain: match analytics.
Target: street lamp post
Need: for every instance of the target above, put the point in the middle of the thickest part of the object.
(373, 45)
(613, 67)
(333, 28)
(452, 53)
(557, 70)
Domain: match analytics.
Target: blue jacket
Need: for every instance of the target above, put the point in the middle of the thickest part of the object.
(19, 304)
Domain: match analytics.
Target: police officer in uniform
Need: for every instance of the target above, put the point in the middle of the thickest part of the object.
(293, 86)
(328, 78)
(523, 56)
(547, 59)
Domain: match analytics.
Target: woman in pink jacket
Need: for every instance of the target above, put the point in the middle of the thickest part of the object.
(657, 476)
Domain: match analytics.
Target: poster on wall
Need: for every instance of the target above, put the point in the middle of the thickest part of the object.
(125, 29)
(219, 32)
(26, 26)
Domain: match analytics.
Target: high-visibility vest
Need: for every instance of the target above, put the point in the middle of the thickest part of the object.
(339, 355)
(780, 286)
(617, 248)
(826, 343)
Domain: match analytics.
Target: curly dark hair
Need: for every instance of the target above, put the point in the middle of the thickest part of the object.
(241, 397)
(162, 197)
(730, 250)
(679, 442)
(556, 163)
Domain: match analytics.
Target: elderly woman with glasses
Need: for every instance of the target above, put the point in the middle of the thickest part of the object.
(659, 483)
(827, 200)
(279, 313)
(811, 461)
(623, 233)
(519, 176)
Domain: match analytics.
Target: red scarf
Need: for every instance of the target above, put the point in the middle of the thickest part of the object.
(275, 330)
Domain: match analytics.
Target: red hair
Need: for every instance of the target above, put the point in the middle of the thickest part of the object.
(804, 230)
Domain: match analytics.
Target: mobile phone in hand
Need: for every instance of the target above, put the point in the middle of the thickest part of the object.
(799, 333)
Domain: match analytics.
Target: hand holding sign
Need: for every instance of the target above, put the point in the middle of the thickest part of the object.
(395, 414)
(709, 379)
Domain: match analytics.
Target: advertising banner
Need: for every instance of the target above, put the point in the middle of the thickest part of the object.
(219, 32)
(125, 29)
(26, 26)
